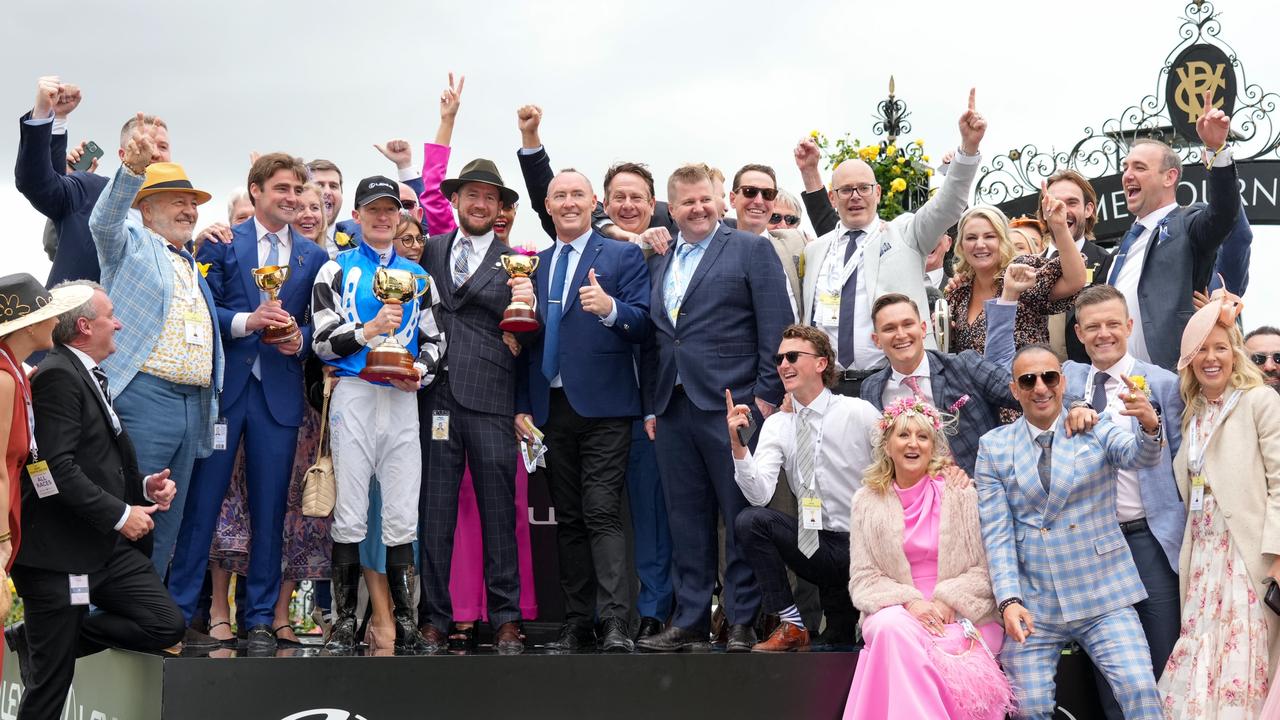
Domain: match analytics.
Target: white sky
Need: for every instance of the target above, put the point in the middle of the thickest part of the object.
(659, 81)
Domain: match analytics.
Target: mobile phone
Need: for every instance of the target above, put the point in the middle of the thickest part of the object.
(91, 152)
(745, 433)
(1272, 598)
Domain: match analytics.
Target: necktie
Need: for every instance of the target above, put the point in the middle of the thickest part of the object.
(806, 539)
(913, 382)
(1045, 465)
(678, 281)
(1099, 399)
(101, 376)
(848, 300)
(1129, 238)
(273, 258)
(462, 266)
(555, 309)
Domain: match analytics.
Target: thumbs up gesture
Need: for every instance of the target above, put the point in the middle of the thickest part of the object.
(593, 297)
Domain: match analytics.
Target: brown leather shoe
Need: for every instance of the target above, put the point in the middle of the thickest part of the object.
(787, 638)
(507, 640)
(433, 638)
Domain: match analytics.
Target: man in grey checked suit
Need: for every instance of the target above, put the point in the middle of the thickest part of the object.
(1060, 568)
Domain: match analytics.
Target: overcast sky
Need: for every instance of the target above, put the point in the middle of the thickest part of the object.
(662, 81)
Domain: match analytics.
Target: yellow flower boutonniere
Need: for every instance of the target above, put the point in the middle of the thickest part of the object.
(342, 239)
(1140, 384)
(204, 268)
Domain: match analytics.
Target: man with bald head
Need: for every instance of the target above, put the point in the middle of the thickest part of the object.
(865, 257)
(580, 388)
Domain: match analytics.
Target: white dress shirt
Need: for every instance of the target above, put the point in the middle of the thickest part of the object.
(479, 248)
(866, 354)
(1053, 249)
(1131, 274)
(238, 323)
(89, 364)
(896, 388)
(1128, 487)
(577, 245)
(842, 442)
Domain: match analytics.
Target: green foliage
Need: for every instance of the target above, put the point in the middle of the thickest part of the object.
(902, 172)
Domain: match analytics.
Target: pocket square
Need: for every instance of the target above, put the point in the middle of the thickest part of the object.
(884, 247)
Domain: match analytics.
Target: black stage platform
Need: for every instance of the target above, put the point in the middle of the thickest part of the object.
(304, 683)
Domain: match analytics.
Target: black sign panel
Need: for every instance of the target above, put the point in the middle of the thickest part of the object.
(1259, 195)
(1199, 69)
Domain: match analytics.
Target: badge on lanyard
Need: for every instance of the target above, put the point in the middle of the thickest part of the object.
(828, 309)
(220, 435)
(195, 330)
(440, 426)
(811, 513)
(1197, 493)
(79, 589)
(42, 479)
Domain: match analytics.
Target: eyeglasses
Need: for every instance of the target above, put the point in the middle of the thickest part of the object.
(791, 356)
(1261, 358)
(411, 240)
(861, 190)
(1051, 378)
(792, 220)
(408, 204)
(751, 192)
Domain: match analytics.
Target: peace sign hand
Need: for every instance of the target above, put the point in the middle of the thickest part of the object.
(1213, 126)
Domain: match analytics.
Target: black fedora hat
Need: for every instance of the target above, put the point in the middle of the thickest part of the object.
(481, 171)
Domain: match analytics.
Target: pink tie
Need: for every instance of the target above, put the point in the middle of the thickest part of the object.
(913, 382)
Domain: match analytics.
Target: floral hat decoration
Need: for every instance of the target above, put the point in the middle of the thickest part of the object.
(915, 406)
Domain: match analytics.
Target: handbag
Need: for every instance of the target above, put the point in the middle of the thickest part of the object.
(319, 486)
(975, 681)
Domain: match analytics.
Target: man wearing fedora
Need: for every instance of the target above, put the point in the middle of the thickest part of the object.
(87, 531)
(471, 407)
(167, 370)
(262, 398)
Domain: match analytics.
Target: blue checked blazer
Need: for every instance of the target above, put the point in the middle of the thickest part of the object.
(138, 276)
(985, 379)
(1062, 553)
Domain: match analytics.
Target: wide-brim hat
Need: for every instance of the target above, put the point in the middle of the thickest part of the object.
(25, 302)
(1222, 309)
(168, 177)
(481, 171)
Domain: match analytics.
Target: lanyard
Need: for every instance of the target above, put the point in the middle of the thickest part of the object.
(832, 261)
(1195, 446)
(26, 397)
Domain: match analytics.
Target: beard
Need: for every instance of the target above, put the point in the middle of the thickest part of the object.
(472, 228)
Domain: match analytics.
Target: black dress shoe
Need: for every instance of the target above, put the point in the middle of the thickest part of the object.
(199, 641)
(740, 638)
(841, 630)
(572, 639)
(615, 638)
(648, 626)
(15, 638)
(674, 639)
(261, 638)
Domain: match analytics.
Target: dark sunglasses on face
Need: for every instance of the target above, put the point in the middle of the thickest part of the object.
(791, 356)
(1027, 381)
(1260, 359)
(408, 205)
(779, 217)
(752, 192)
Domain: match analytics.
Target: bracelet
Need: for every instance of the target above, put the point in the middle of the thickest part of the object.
(1211, 155)
(6, 536)
(1009, 601)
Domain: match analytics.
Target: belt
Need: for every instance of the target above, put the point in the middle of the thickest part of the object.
(855, 375)
(1132, 526)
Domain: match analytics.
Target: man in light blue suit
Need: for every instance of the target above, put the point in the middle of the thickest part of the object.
(1150, 512)
(262, 396)
(719, 306)
(167, 369)
(579, 385)
(1060, 568)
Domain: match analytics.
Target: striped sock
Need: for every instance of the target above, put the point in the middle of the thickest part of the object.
(792, 615)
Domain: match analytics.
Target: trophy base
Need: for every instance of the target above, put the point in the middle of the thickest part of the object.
(389, 362)
(281, 335)
(519, 319)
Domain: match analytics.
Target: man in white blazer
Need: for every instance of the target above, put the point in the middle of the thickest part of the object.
(865, 257)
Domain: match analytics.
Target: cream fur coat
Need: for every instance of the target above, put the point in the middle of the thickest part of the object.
(879, 575)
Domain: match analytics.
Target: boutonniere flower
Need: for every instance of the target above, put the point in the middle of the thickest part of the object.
(204, 268)
(341, 239)
(1140, 384)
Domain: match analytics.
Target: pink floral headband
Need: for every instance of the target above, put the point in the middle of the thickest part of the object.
(910, 406)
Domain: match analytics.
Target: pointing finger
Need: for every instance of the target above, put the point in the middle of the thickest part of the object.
(972, 93)
(728, 401)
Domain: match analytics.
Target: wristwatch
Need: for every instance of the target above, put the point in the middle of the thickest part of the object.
(1081, 404)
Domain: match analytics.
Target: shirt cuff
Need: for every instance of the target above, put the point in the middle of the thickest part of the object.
(1222, 159)
(146, 494)
(123, 518)
(530, 151)
(408, 173)
(239, 325)
(40, 121)
(360, 338)
(963, 158)
(649, 417)
(612, 317)
(1001, 301)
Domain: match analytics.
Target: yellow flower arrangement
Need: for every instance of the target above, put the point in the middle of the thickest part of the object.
(898, 185)
(901, 171)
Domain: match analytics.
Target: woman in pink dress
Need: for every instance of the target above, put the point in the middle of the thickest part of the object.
(466, 578)
(919, 576)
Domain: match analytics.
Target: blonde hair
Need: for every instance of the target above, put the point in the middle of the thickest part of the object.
(1244, 376)
(1001, 225)
(880, 473)
(310, 186)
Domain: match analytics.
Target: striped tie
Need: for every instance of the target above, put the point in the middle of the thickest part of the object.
(807, 539)
(461, 266)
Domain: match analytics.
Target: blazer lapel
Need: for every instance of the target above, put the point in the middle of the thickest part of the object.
(297, 263)
(708, 260)
(89, 380)
(587, 261)
(488, 268)
(1026, 454)
(1063, 475)
(440, 259)
(937, 379)
(871, 263)
(542, 290)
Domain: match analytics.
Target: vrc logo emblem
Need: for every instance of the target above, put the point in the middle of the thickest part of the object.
(324, 714)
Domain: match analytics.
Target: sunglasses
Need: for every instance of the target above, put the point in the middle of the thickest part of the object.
(408, 205)
(791, 356)
(779, 217)
(1261, 358)
(1051, 378)
(751, 192)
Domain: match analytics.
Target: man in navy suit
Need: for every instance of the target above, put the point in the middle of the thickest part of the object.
(719, 306)
(581, 388)
(67, 199)
(262, 395)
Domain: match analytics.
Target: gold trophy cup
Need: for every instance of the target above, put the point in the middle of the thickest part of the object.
(519, 317)
(388, 360)
(269, 279)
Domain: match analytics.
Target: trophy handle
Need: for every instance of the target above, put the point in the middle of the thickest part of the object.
(533, 263)
(942, 324)
(426, 285)
(284, 275)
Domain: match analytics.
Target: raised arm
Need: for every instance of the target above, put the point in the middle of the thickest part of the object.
(40, 171)
(106, 222)
(945, 208)
(535, 165)
(822, 216)
(1054, 212)
(1210, 228)
(436, 210)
